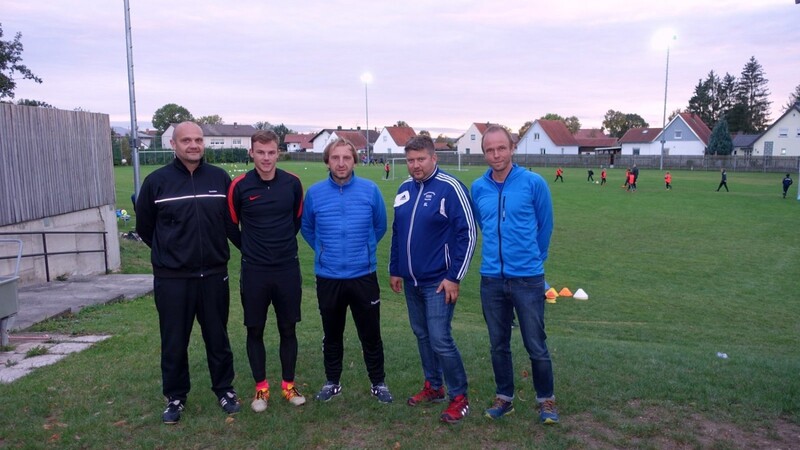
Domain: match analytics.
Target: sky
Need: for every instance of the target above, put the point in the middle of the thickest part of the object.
(437, 65)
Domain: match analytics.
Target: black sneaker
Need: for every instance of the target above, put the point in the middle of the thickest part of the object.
(381, 391)
(230, 403)
(172, 414)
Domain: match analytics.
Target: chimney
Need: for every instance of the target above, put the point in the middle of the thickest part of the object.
(339, 127)
(358, 128)
(235, 125)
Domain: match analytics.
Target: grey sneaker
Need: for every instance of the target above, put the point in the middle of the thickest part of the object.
(328, 391)
(230, 403)
(381, 391)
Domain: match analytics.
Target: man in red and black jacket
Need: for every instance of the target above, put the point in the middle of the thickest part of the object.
(268, 202)
(181, 215)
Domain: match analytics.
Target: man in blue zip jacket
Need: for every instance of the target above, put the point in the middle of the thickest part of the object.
(433, 240)
(515, 212)
(181, 214)
(344, 218)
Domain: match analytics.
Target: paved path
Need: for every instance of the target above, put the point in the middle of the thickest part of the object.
(43, 301)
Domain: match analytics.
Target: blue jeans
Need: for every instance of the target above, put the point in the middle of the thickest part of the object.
(430, 319)
(499, 297)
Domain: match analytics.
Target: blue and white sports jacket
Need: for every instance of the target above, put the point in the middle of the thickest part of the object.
(434, 231)
(517, 222)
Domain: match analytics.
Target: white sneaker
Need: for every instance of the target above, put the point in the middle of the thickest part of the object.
(260, 401)
(293, 396)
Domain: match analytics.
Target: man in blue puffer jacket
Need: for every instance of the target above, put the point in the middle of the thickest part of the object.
(433, 239)
(515, 212)
(344, 218)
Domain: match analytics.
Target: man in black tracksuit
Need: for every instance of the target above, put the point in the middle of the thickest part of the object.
(181, 214)
(268, 203)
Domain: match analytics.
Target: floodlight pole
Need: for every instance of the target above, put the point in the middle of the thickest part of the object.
(664, 117)
(134, 135)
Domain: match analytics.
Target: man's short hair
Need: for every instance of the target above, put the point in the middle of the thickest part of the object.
(418, 143)
(265, 137)
(340, 142)
(494, 128)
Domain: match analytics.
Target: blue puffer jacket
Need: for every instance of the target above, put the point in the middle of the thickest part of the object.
(343, 225)
(517, 222)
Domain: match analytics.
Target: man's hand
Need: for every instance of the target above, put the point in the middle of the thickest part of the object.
(396, 283)
(450, 291)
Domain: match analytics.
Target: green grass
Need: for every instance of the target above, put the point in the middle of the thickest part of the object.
(673, 278)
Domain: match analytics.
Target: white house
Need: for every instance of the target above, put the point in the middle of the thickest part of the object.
(218, 136)
(392, 141)
(638, 141)
(547, 137)
(321, 139)
(782, 138)
(686, 135)
(298, 142)
(470, 141)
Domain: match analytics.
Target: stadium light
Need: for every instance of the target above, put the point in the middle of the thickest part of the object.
(366, 78)
(664, 38)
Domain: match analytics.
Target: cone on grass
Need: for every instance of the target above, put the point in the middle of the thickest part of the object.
(550, 300)
(551, 293)
(580, 294)
(565, 292)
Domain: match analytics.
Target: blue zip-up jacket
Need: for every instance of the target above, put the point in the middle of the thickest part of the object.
(433, 234)
(516, 221)
(343, 225)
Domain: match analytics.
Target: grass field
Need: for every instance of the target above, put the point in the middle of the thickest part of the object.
(673, 277)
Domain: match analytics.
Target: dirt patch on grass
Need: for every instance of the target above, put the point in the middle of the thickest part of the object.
(648, 426)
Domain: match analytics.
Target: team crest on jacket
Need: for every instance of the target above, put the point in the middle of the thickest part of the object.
(428, 197)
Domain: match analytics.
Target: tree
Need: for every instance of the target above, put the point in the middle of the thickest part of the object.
(618, 123)
(10, 58)
(262, 126)
(720, 142)
(705, 102)
(29, 102)
(752, 92)
(524, 128)
(794, 97)
(572, 122)
(282, 130)
(401, 123)
(425, 133)
(673, 114)
(169, 114)
(210, 120)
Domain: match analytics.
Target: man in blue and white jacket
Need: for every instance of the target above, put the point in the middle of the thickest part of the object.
(344, 218)
(515, 212)
(433, 239)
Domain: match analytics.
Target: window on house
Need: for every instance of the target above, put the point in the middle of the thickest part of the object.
(535, 136)
(217, 142)
(798, 133)
(472, 137)
(542, 151)
(783, 152)
(678, 134)
(636, 151)
(237, 141)
(384, 138)
(783, 132)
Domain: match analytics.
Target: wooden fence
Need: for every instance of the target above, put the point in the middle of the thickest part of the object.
(53, 162)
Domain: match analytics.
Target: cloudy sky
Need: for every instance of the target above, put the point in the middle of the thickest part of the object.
(438, 65)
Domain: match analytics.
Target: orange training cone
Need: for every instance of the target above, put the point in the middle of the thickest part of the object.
(551, 293)
(565, 292)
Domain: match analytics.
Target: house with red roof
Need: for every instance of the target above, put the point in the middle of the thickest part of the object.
(593, 140)
(469, 143)
(548, 137)
(392, 141)
(298, 142)
(358, 137)
(686, 135)
(636, 139)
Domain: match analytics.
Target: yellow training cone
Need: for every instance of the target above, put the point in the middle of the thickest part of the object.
(565, 292)
(550, 300)
(551, 293)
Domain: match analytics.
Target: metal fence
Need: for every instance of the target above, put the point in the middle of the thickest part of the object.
(737, 163)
